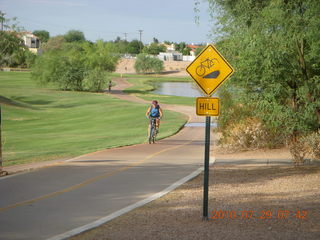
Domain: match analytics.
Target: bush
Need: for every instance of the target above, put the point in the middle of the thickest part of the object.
(312, 145)
(148, 64)
(154, 49)
(251, 134)
(305, 147)
(248, 134)
(30, 59)
(298, 151)
(12, 50)
(95, 80)
(65, 69)
(76, 66)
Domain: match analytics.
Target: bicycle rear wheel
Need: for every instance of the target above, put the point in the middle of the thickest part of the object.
(154, 137)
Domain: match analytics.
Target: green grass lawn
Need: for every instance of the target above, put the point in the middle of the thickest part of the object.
(143, 85)
(44, 123)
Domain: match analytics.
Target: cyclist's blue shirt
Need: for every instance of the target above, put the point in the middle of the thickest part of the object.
(155, 112)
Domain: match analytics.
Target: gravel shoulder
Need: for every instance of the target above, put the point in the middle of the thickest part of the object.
(246, 201)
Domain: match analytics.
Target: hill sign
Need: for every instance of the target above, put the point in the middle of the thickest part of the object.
(210, 69)
(207, 106)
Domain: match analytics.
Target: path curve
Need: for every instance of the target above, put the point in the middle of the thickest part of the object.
(122, 84)
(65, 199)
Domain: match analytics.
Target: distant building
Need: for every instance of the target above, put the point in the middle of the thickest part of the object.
(31, 41)
(169, 47)
(170, 56)
(193, 48)
(188, 58)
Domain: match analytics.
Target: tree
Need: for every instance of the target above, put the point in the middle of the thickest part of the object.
(64, 67)
(180, 46)
(118, 39)
(274, 46)
(155, 40)
(76, 66)
(154, 49)
(148, 64)
(134, 47)
(100, 56)
(9, 23)
(74, 36)
(121, 46)
(2, 20)
(186, 51)
(13, 52)
(95, 80)
(12, 49)
(54, 43)
(43, 35)
(199, 49)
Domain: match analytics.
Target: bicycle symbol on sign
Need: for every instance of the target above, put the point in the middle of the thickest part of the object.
(206, 64)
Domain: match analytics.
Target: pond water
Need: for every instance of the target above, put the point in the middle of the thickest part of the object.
(182, 89)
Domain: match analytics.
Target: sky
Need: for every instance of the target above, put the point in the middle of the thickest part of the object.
(171, 20)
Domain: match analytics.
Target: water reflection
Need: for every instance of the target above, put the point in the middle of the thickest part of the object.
(182, 89)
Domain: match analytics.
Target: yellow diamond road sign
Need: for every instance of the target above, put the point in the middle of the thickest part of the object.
(209, 69)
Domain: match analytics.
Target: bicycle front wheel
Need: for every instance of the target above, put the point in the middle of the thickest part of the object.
(152, 131)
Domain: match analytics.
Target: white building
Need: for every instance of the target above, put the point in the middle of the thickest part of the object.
(31, 41)
(170, 56)
(169, 47)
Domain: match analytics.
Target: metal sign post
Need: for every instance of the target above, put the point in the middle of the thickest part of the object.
(206, 169)
(209, 70)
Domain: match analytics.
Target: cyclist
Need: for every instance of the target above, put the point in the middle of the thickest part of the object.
(154, 111)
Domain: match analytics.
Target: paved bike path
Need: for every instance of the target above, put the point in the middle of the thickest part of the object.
(50, 201)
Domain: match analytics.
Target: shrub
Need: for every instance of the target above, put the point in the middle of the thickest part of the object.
(312, 145)
(66, 70)
(76, 66)
(248, 134)
(298, 151)
(148, 64)
(304, 147)
(12, 50)
(95, 80)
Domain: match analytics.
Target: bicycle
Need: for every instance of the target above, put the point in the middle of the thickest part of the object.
(153, 130)
(208, 63)
(3, 173)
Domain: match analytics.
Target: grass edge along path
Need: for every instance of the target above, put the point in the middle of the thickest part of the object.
(44, 124)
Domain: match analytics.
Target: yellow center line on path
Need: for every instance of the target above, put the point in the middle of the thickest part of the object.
(91, 180)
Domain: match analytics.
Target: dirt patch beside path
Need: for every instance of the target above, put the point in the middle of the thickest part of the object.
(172, 68)
(248, 202)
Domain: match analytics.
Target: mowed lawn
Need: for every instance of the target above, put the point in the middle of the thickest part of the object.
(44, 123)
